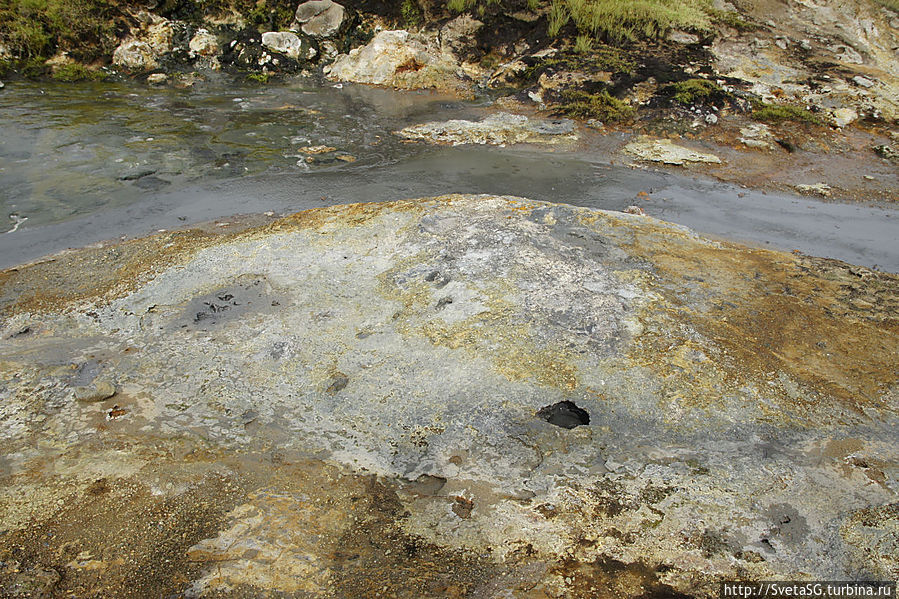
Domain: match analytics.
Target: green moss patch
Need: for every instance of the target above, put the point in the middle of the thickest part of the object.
(763, 111)
(695, 91)
(77, 72)
(600, 58)
(272, 15)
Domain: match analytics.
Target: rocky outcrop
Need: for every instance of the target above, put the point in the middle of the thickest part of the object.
(847, 51)
(496, 129)
(403, 60)
(158, 43)
(272, 51)
(147, 43)
(481, 396)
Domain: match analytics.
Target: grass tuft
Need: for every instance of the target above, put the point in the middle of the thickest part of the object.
(583, 44)
(602, 106)
(627, 20)
(733, 20)
(262, 77)
(693, 91)
(558, 18)
(458, 6)
(411, 14)
(39, 28)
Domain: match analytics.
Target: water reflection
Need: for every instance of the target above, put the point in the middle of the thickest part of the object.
(69, 150)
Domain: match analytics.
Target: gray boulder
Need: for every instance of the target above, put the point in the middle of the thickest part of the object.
(320, 18)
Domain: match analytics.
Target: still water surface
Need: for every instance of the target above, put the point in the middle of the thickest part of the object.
(80, 163)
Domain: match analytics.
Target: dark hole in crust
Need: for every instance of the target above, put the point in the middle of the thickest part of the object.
(565, 414)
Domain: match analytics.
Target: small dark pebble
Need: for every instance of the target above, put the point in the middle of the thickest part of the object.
(138, 173)
(438, 278)
(338, 383)
(786, 145)
(565, 414)
(20, 332)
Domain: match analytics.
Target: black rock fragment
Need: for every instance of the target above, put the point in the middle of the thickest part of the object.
(565, 414)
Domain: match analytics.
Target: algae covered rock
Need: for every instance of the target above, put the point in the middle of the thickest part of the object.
(485, 394)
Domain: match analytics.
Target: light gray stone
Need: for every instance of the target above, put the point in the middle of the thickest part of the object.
(96, 391)
(146, 45)
(682, 37)
(821, 189)
(459, 33)
(320, 18)
(204, 43)
(666, 151)
(844, 116)
(289, 44)
(401, 59)
(135, 55)
(496, 129)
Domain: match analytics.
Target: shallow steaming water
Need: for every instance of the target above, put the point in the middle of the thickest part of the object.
(87, 162)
